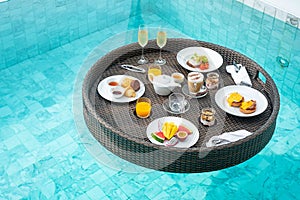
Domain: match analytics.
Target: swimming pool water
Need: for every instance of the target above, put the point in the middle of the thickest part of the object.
(42, 156)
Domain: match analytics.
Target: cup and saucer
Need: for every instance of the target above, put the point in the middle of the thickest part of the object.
(176, 104)
(195, 87)
(202, 93)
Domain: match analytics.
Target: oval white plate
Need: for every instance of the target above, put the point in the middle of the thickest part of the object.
(248, 93)
(215, 60)
(188, 142)
(104, 90)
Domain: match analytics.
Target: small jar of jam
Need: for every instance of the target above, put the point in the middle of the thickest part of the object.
(207, 117)
(212, 81)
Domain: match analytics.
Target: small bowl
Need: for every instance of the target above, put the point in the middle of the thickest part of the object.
(112, 83)
(117, 92)
(178, 77)
(182, 135)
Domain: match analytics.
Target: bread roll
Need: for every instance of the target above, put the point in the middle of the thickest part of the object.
(248, 107)
(130, 92)
(126, 82)
(235, 99)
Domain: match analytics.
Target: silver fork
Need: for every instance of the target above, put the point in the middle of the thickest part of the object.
(218, 141)
(237, 68)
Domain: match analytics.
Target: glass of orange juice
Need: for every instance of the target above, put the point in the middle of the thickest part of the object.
(153, 70)
(143, 107)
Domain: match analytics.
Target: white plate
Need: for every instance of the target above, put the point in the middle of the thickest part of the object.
(188, 142)
(248, 93)
(215, 60)
(104, 89)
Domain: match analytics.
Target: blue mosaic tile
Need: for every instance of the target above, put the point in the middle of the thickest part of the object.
(96, 193)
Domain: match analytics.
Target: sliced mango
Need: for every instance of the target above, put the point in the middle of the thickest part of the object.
(169, 129)
(173, 131)
(164, 129)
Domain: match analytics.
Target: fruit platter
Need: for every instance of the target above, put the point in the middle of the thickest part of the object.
(173, 132)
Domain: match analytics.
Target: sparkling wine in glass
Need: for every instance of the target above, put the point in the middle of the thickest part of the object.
(143, 41)
(161, 41)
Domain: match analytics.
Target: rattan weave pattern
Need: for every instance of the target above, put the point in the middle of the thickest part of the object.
(117, 128)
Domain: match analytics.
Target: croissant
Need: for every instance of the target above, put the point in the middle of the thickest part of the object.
(130, 92)
(126, 82)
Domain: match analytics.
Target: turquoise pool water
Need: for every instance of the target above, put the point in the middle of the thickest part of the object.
(42, 153)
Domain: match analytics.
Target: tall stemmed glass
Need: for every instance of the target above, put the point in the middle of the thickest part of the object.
(161, 41)
(143, 41)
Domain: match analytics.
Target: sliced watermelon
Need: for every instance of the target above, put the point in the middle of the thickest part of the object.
(158, 136)
(183, 128)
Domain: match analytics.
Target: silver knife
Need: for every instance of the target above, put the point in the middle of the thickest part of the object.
(237, 68)
(133, 68)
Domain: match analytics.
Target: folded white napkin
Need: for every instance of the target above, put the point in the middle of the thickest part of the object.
(241, 77)
(227, 137)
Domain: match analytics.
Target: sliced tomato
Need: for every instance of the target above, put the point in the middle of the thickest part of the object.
(204, 66)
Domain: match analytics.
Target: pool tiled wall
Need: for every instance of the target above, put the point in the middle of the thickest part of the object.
(230, 23)
(283, 10)
(29, 28)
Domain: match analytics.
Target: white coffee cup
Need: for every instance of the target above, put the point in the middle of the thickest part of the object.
(195, 82)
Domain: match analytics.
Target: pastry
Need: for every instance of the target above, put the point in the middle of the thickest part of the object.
(126, 82)
(130, 92)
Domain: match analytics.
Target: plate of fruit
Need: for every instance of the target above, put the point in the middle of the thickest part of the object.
(173, 131)
(199, 59)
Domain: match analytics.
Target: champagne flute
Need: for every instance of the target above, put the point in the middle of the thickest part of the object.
(161, 41)
(143, 41)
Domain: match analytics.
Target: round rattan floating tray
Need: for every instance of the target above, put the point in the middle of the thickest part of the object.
(117, 128)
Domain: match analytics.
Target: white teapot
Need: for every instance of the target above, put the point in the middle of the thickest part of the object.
(163, 84)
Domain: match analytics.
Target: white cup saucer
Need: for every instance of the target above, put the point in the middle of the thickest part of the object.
(202, 93)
